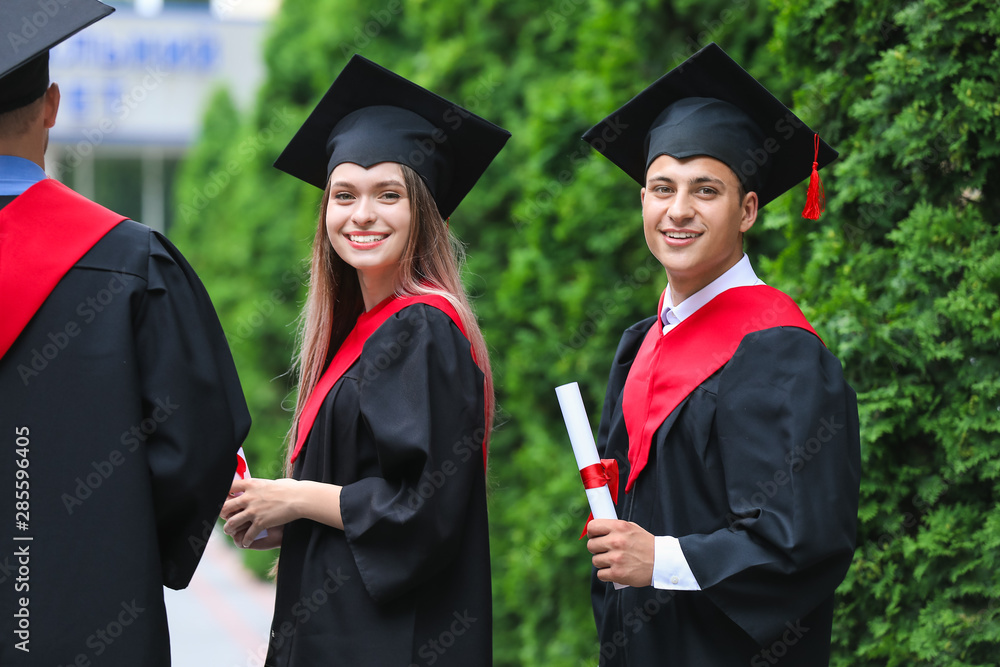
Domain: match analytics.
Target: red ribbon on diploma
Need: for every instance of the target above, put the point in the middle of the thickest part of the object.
(242, 470)
(597, 475)
(241, 465)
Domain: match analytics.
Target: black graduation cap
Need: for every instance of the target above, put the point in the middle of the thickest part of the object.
(709, 105)
(373, 115)
(32, 28)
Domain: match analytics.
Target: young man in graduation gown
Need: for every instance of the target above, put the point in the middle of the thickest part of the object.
(122, 412)
(736, 434)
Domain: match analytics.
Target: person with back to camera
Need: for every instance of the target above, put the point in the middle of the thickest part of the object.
(121, 409)
(382, 521)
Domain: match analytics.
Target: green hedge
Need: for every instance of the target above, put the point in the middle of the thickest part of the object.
(903, 281)
(900, 276)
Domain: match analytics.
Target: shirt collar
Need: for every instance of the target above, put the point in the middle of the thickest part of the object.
(740, 275)
(17, 174)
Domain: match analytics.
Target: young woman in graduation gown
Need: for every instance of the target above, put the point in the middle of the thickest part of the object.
(382, 524)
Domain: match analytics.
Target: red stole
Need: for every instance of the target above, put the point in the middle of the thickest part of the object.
(669, 367)
(43, 233)
(350, 351)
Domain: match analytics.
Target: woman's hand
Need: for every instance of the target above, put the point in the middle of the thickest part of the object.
(258, 504)
(271, 541)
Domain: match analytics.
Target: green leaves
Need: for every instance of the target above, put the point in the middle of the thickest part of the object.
(908, 284)
(900, 277)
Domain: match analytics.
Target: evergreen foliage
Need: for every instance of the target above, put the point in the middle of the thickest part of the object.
(902, 279)
(900, 276)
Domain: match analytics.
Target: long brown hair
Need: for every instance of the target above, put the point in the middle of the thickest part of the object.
(431, 264)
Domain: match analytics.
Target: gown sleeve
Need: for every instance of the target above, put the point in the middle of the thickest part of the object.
(425, 411)
(787, 426)
(195, 413)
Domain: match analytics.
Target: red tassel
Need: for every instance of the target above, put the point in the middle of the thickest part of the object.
(815, 197)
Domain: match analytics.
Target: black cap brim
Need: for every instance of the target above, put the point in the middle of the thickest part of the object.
(32, 28)
(788, 143)
(469, 143)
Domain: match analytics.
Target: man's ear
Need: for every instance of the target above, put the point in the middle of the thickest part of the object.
(749, 212)
(50, 108)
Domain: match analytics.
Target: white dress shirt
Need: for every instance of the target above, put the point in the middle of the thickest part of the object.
(670, 568)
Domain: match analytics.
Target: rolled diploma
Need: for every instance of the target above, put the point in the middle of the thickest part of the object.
(584, 448)
(241, 457)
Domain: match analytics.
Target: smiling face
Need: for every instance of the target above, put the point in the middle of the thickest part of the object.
(694, 219)
(368, 223)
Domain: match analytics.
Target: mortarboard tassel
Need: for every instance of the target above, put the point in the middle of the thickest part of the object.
(815, 196)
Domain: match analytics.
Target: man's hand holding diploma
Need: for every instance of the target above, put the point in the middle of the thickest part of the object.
(595, 478)
(623, 552)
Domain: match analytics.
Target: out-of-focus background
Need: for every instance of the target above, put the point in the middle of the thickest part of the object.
(173, 113)
(135, 89)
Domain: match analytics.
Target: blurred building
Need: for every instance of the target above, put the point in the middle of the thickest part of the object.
(135, 87)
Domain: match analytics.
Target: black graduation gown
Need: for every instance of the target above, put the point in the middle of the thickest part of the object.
(407, 582)
(123, 399)
(757, 473)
